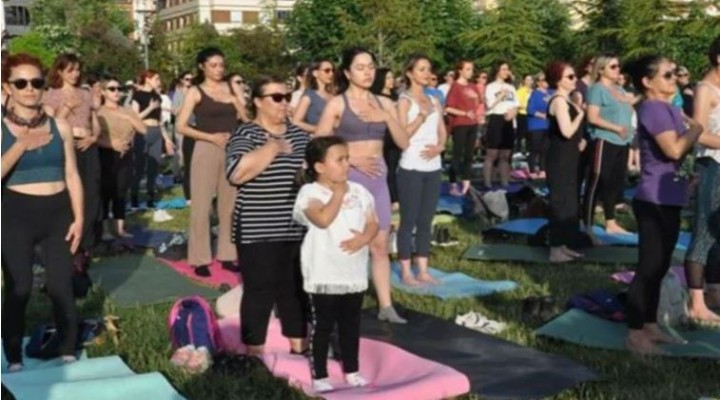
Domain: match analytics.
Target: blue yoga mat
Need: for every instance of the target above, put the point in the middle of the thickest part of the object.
(177, 203)
(150, 238)
(165, 181)
(450, 205)
(452, 285)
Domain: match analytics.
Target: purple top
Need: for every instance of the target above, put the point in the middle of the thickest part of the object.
(352, 128)
(659, 181)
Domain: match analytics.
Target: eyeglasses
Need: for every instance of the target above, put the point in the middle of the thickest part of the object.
(614, 66)
(669, 75)
(36, 83)
(113, 88)
(570, 77)
(279, 97)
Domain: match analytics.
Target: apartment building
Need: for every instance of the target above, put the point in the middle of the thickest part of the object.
(15, 17)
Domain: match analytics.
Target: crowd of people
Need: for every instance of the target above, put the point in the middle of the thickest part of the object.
(305, 181)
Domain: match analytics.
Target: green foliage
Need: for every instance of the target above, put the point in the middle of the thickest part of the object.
(75, 14)
(315, 29)
(45, 42)
(262, 50)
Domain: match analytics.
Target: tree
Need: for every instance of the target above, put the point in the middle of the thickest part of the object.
(315, 30)
(45, 42)
(263, 50)
(602, 25)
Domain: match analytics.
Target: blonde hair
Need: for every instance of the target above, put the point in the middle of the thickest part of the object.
(600, 63)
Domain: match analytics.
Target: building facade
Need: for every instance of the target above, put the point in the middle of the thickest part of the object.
(15, 18)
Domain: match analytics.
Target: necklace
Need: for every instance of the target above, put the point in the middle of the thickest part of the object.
(39, 119)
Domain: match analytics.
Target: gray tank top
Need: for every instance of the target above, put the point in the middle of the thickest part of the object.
(317, 106)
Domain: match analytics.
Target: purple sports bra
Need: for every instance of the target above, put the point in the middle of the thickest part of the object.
(353, 129)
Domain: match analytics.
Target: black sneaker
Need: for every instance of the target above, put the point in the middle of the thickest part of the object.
(202, 271)
(134, 203)
(230, 266)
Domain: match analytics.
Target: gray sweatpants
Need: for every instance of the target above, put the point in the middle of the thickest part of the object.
(418, 193)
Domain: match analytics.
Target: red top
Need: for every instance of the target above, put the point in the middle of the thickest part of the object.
(464, 98)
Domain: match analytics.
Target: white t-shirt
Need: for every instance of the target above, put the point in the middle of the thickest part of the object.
(491, 93)
(444, 88)
(166, 108)
(427, 134)
(326, 268)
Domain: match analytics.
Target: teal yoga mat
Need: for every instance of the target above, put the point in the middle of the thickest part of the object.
(452, 284)
(579, 327)
(140, 280)
(530, 254)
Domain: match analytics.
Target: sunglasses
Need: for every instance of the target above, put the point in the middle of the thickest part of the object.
(113, 88)
(614, 66)
(36, 83)
(669, 75)
(570, 77)
(279, 97)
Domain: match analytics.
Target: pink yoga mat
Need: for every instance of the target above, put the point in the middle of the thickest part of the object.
(218, 275)
(393, 373)
(627, 276)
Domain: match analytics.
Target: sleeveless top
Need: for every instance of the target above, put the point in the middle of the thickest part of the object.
(78, 117)
(713, 127)
(143, 99)
(213, 116)
(427, 134)
(316, 108)
(353, 129)
(113, 126)
(44, 164)
(558, 142)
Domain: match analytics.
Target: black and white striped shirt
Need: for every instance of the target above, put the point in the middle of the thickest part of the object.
(264, 205)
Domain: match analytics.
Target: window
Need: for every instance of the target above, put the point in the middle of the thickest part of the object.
(282, 15)
(220, 16)
(236, 16)
(250, 17)
(17, 15)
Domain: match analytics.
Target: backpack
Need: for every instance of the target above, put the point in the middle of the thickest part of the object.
(600, 303)
(45, 339)
(192, 322)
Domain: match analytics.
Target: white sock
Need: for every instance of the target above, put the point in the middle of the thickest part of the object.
(322, 385)
(355, 379)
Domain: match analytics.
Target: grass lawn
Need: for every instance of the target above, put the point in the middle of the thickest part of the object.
(145, 346)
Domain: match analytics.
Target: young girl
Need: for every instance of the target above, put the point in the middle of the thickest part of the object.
(341, 223)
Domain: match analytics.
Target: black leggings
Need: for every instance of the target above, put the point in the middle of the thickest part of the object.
(658, 230)
(88, 165)
(328, 310)
(271, 275)
(564, 204)
(606, 179)
(392, 153)
(521, 134)
(188, 145)
(116, 176)
(147, 156)
(538, 144)
(30, 221)
(463, 151)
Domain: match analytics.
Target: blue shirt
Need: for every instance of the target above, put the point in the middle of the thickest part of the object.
(538, 103)
(437, 93)
(611, 110)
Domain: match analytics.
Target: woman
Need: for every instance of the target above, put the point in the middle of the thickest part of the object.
(420, 171)
(565, 135)
(523, 95)
(185, 144)
(66, 100)
(362, 118)
(313, 102)
(661, 193)
(538, 126)
(301, 85)
(699, 263)
(384, 85)
(118, 126)
(148, 148)
(263, 159)
(216, 111)
(461, 106)
(237, 85)
(609, 115)
(42, 206)
(502, 105)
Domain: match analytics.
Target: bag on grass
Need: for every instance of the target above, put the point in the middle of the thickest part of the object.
(192, 322)
(600, 303)
(45, 339)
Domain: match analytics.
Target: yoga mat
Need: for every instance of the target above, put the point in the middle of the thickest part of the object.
(149, 238)
(497, 368)
(579, 327)
(176, 203)
(141, 280)
(393, 373)
(104, 378)
(452, 205)
(516, 252)
(452, 285)
(627, 276)
(34, 363)
(218, 277)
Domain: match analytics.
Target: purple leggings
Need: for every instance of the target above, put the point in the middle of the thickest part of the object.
(378, 187)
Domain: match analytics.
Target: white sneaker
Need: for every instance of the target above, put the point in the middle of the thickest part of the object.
(161, 216)
(480, 323)
(322, 385)
(356, 380)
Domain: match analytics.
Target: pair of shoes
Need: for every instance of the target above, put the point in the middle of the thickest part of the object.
(191, 359)
(480, 323)
(231, 266)
(542, 307)
(161, 216)
(441, 237)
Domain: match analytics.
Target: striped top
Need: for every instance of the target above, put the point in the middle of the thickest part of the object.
(264, 205)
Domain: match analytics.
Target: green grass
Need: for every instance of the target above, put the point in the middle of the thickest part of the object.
(145, 347)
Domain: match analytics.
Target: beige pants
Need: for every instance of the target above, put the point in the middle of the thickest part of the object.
(207, 180)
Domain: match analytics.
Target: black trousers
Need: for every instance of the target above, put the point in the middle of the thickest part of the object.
(188, 145)
(658, 230)
(30, 221)
(562, 164)
(463, 151)
(521, 133)
(88, 165)
(538, 144)
(116, 176)
(271, 275)
(147, 156)
(328, 310)
(606, 180)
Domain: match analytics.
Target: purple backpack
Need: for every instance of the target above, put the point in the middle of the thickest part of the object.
(192, 322)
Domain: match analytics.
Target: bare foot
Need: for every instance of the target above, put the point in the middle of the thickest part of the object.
(454, 191)
(465, 187)
(558, 256)
(703, 314)
(642, 345)
(427, 278)
(657, 335)
(571, 252)
(409, 280)
(612, 227)
(124, 234)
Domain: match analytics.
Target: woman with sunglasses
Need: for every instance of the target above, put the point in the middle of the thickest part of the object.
(66, 100)
(362, 118)
(609, 115)
(216, 111)
(263, 160)
(565, 135)
(702, 263)
(313, 102)
(118, 126)
(661, 194)
(186, 144)
(42, 206)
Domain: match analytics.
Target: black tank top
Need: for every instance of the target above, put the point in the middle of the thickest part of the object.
(213, 116)
(556, 137)
(143, 99)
